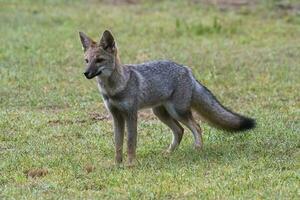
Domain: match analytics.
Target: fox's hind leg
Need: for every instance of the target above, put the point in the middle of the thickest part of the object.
(186, 118)
(196, 130)
(174, 125)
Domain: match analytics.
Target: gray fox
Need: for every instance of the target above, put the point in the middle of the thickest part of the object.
(170, 89)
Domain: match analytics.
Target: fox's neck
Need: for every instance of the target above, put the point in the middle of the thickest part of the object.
(117, 78)
(116, 82)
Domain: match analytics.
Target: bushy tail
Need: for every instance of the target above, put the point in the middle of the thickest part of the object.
(206, 104)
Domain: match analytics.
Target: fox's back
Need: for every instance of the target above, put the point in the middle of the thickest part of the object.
(159, 79)
(160, 71)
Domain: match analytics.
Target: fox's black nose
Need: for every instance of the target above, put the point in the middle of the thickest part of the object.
(86, 74)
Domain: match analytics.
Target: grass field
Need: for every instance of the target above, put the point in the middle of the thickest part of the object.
(53, 119)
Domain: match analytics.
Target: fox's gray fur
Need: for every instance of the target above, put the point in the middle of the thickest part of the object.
(170, 89)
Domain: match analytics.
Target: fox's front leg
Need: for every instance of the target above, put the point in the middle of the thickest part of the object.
(118, 121)
(131, 124)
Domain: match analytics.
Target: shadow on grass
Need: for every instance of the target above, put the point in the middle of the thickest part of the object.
(232, 149)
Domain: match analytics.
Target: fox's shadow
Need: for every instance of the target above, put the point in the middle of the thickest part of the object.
(233, 149)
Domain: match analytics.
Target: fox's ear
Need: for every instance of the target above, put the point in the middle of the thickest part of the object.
(85, 40)
(107, 41)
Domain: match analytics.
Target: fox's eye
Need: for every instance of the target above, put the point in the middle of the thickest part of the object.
(99, 60)
(86, 60)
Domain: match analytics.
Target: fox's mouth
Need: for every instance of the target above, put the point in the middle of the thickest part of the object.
(89, 75)
(100, 72)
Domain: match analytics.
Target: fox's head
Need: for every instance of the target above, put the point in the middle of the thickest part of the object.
(101, 58)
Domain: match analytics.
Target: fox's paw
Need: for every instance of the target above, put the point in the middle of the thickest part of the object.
(198, 147)
(130, 164)
(167, 152)
(119, 165)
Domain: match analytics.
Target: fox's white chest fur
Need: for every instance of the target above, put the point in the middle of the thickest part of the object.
(111, 102)
(121, 105)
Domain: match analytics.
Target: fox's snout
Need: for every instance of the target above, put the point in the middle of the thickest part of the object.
(90, 75)
(87, 74)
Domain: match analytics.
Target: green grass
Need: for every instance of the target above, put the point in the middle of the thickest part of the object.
(249, 58)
